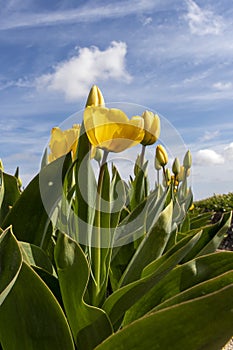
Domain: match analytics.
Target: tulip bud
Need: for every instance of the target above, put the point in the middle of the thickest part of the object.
(1, 165)
(180, 175)
(17, 177)
(151, 127)
(157, 164)
(176, 166)
(95, 97)
(187, 162)
(98, 154)
(161, 155)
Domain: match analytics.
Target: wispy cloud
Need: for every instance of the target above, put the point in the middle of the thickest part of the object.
(202, 21)
(223, 86)
(87, 13)
(209, 135)
(74, 77)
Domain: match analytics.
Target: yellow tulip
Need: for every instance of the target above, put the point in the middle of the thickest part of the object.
(151, 127)
(95, 97)
(161, 155)
(62, 142)
(111, 130)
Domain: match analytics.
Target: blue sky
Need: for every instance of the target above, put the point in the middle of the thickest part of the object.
(174, 57)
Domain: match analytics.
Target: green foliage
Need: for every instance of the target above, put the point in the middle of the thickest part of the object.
(92, 262)
(216, 203)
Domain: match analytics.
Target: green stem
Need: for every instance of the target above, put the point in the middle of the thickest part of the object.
(164, 174)
(142, 156)
(158, 177)
(97, 248)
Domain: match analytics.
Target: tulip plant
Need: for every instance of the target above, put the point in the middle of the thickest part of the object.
(93, 261)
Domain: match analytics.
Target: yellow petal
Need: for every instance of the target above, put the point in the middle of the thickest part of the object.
(111, 129)
(59, 148)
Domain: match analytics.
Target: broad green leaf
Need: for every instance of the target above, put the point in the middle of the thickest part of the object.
(118, 196)
(10, 192)
(140, 220)
(211, 237)
(89, 324)
(101, 242)
(175, 252)
(35, 256)
(202, 323)
(30, 316)
(28, 217)
(10, 263)
(179, 279)
(137, 187)
(201, 220)
(198, 290)
(122, 299)
(85, 187)
(151, 247)
(214, 243)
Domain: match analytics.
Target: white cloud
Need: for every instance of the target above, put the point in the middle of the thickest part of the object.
(223, 86)
(209, 135)
(208, 157)
(202, 21)
(75, 76)
(87, 13)
(228, 151)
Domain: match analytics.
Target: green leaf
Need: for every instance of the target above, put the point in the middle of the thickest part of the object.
(30, 316)
(89, 324)
(10, 263)
(201, 220)
(198, 290)
(211, 238)
(151, 247)
(202, 323)
(118, 197)
(85, 187)
(28, 216)
(179, 279)
(35, 256)
(122, 299)
(175, 253)
(137, 187)
(9, 193)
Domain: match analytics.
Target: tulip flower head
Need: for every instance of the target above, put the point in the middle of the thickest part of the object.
(111, 130)
(176, 166)
(161, 155)
(151, 127)
(62, 142)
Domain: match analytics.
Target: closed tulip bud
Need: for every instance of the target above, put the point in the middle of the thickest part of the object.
(168, 174)
(180, 176)
(1, 165)
(176, 166)
(157, 164)
(161, 155)
(151, 127)
(95, 97)
(98, 154)
(187, 162)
